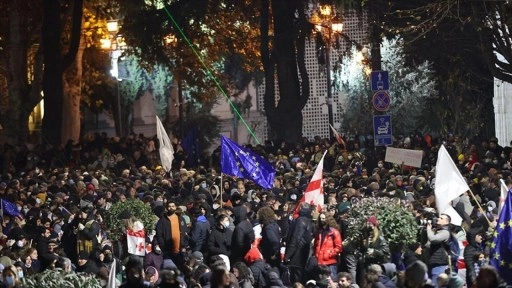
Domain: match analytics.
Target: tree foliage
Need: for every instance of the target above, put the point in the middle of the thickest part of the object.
(411, 87)
(397, 224)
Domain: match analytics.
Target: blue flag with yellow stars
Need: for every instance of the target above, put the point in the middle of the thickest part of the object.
(238, 161)
(501, 247)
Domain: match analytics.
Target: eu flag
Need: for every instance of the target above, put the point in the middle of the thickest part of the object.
(9, 208)
(501, 247)
(243, 163)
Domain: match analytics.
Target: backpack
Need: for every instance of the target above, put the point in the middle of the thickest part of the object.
(453, 251)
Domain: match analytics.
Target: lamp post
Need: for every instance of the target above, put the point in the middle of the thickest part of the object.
(115, 44)
(328, 25)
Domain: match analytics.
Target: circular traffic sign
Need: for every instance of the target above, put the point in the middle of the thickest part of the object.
(381, 101)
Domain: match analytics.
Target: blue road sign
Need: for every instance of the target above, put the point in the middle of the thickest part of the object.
(381, 101)
(382, 131)
(379, 80)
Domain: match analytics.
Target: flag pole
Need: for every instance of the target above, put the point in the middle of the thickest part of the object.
(221, 189)
(479, 206)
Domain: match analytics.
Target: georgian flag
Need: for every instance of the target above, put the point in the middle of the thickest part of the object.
(314, 193)
(136, 242)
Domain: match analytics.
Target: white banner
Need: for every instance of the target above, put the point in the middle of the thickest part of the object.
(136, 242)
(404, 156)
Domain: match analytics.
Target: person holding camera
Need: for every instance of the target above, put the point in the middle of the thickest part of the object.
(438, 239)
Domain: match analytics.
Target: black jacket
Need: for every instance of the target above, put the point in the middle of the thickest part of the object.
(243, 236)
(219, 241)
(299, 240)
(164, 235)
(259, 269)
(469, 253)
(438, 244)
(90, 268)
(199, 235)
(270, 242)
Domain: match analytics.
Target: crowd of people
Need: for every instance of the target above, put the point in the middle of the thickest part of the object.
(214, 230)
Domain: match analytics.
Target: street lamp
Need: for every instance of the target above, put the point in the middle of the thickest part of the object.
(328, 25)
(115, 45)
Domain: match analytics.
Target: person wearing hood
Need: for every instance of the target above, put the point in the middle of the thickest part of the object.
(155, 257)
(298, 244)
(200, 231)
(243, 236)
(87, 229)
(474, 246)
(219, 241)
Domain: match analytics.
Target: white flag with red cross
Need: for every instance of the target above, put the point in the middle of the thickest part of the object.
(314, 193)
(136, 241)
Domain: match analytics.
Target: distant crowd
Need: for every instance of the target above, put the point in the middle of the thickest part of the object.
(216, 230)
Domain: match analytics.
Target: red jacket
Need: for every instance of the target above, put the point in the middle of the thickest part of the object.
(327, 250)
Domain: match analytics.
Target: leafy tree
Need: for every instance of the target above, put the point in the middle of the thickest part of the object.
(21, 65)
(411, 88)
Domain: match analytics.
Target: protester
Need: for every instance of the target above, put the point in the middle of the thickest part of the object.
(58, 214)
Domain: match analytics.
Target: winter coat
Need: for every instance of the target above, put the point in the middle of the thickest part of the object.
(90, 268)
(270, 245)
(388, 283)
(243, 237)
(438, 242)
(469, 253)
(219, 241)
(299, 240)
(328, 245)
(381, 253)
(164, 235)
(259, 269)
(199, 235)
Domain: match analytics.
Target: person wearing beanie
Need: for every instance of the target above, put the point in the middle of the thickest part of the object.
(413, 253)
(377, 248)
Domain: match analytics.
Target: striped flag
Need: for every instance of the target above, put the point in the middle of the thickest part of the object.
(314, 193)
(338, 137)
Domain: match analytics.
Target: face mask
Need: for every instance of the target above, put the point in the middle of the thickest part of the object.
(20, 274)
(349, 157)
(9, 280)
(204, 186)
(19, 208)
(495, 161)
(225, 224)
(20, 243)
(25, 210)
(215, 206)
(503, 155)
(487, 160)
(158, 251)
(380, 165)
(108, 258)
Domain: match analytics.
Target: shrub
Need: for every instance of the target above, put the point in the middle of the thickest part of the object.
(114, 227)
(396, 223)
(59, 279)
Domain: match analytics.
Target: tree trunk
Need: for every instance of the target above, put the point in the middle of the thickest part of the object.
(72, 97)
(55, 64)
(18, 78)
(285, 118)
(52, 76)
